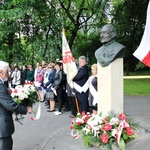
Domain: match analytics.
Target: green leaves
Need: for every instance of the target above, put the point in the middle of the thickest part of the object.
(41, 22)
(125, 136)
(122, 144)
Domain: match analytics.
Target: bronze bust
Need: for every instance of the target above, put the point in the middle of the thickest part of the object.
(110, 50)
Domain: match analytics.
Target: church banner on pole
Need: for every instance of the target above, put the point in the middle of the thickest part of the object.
(69, 65)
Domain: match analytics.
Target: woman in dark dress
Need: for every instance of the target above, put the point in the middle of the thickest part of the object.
(23, 74)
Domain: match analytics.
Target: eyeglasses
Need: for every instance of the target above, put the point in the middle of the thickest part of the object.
(49, 67)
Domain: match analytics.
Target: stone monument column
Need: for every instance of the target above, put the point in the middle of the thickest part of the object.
(110, 87)
(110, 71)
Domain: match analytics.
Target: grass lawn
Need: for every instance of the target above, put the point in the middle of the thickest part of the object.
(138, 87)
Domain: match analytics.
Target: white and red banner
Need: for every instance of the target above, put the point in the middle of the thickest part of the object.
(69, 65)
(143, 51)
(38, 114)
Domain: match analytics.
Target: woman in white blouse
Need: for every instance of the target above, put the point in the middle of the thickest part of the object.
(16, 77)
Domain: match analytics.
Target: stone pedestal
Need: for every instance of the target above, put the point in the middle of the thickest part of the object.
(110, 87)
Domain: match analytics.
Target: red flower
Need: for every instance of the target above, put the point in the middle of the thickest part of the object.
(85, 120)
(29, 83)
(78, 123)
(71, 127)
(15, 91)
(107, 127)
(122, 116)
(86, 117)
(83, 113)
(104, 138)
(129, 131)
(104, 120)
(31, 118)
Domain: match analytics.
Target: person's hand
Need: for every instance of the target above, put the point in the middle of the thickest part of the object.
(54, 90)
(30, 110)
(9, 91)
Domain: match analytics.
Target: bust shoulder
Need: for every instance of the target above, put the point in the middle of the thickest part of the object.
(108, 52)
(111, 46)
(116, 45)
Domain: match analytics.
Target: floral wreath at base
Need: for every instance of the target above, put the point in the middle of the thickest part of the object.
(104, 131)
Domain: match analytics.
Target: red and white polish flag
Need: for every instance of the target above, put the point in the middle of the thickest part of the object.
(69, 65)
(143, 51)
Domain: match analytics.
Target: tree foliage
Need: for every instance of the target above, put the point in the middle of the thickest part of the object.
(30, 30)
(129, 18)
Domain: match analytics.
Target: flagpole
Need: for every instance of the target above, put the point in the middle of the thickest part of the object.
(77, 105)
(63, 30)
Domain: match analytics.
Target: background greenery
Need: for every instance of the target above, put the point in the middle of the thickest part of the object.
(30, 30)
(138, 87)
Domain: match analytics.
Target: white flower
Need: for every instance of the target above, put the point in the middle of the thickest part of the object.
(37, 84)
(26, 91)
(92, 122)
(97, 118)
(114, 120)
(79, 120)
(19, 87)
(78, 114)
(86, 129)
(23, 96)
(13, 95)
(22, 92)
(32, 88)
(114, 132)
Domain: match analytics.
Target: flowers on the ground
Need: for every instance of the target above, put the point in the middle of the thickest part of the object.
(25, 94)
(104, 131)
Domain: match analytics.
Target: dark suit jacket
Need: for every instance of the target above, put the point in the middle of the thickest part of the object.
(50, 81)
(7, 106)
(81, 77)
(58, 79)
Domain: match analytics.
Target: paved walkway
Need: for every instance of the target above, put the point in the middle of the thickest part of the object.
(52, 132)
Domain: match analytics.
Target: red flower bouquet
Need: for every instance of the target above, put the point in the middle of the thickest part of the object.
(104, 131)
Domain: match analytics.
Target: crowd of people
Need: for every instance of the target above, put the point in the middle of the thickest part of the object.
(54, 89)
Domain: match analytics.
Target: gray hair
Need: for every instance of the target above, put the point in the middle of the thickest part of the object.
(83, 57)
(4, 66)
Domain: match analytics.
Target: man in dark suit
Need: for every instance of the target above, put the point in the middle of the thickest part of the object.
(7, 107)
(80, 85)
